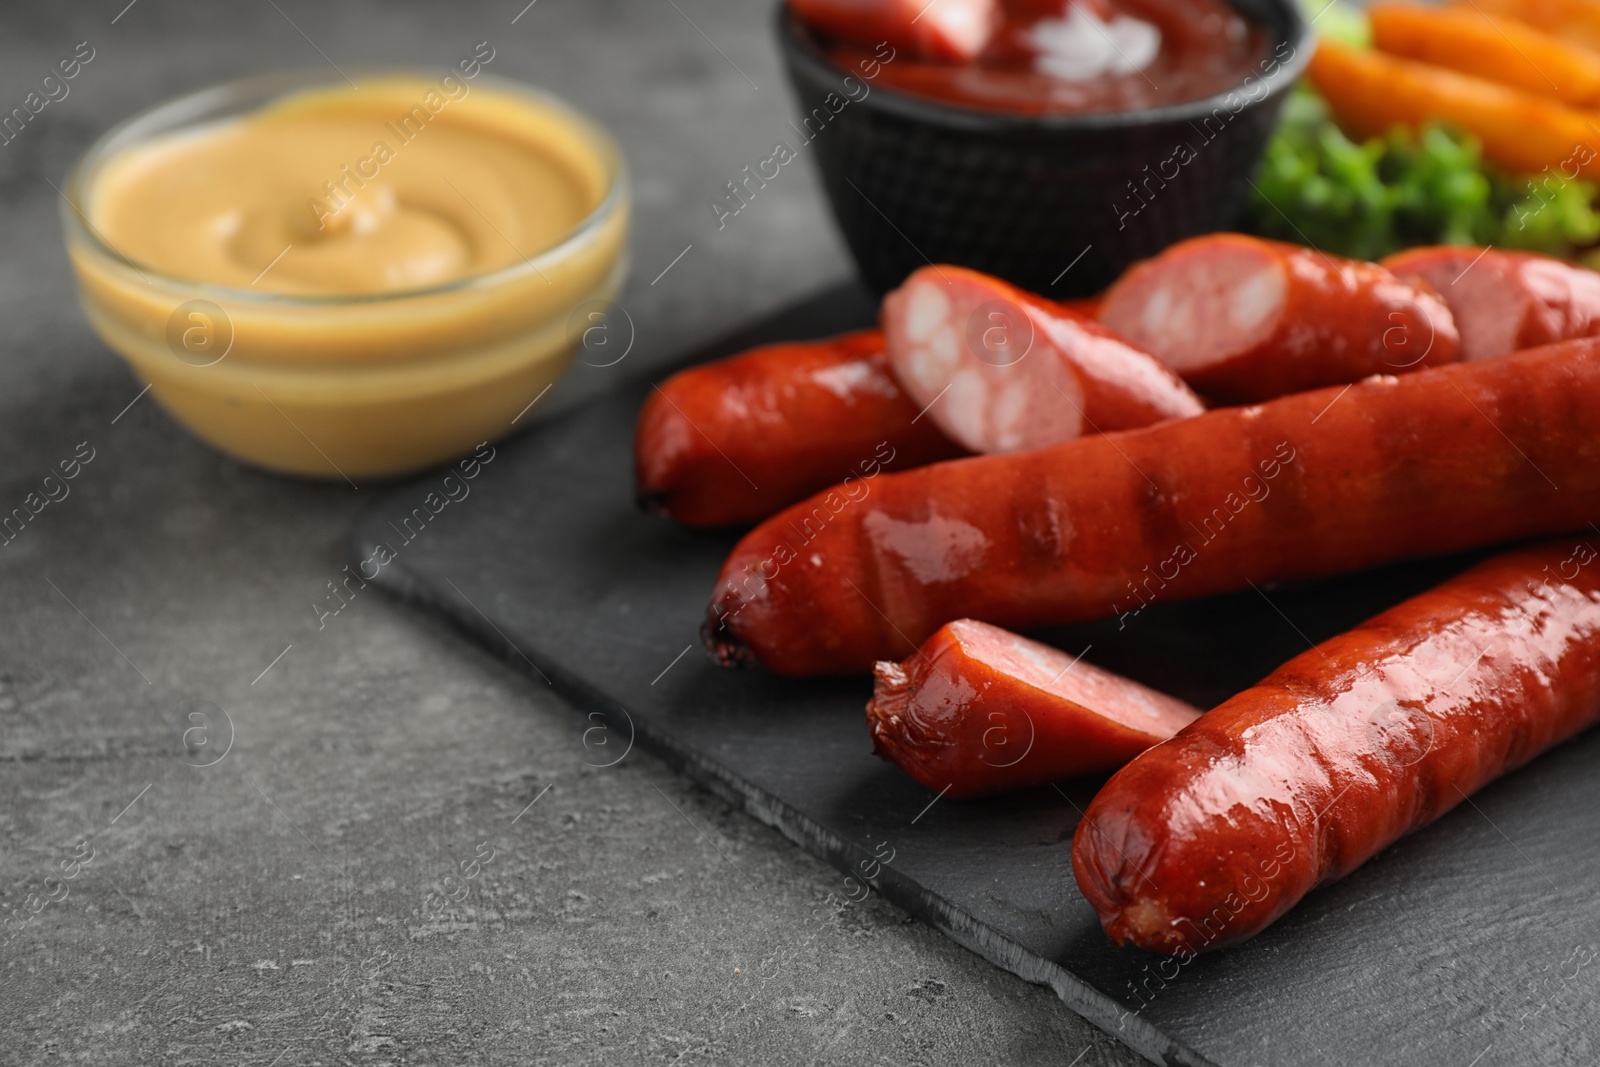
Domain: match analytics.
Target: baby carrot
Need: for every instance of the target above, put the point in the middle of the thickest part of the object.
(1574, 21)
(1370, 92)
(1497, 49)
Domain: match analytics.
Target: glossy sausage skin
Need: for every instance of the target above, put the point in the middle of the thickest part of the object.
(1506, 301)
(981, 710)
(1244, 319)
(1308, 484)
(1208, 838)
(736, 440)
(1002, 370)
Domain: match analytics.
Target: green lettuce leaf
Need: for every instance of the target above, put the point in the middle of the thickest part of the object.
(1431, 186)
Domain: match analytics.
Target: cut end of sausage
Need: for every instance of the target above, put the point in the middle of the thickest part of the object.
(1001, 370)
(1480, 288)
(1506, 301)
(967, 349)
(1149, 714)
(1245, 319)
(1201, 303)
(979, 710)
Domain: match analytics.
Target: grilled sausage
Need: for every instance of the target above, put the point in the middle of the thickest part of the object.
(736, 440)
(1205, 840)
(1309, 484)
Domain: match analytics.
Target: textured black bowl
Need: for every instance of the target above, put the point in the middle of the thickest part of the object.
(914, 181)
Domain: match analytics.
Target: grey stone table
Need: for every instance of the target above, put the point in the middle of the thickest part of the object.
(268, 908)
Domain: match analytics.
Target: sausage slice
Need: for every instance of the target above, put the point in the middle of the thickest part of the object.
(1506, 301)
(1244, 319)
(981, 710)
(1001, 370)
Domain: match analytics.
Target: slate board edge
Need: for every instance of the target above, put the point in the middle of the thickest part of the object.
(956, 924)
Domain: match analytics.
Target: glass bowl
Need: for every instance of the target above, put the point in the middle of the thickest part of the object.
(351, 386)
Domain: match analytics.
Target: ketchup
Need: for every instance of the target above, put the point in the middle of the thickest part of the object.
(1050, 57)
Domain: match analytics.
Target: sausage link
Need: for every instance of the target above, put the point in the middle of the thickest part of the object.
(1002, 370)
(1309, 484)
(980, 710)
(736, 440)
(1506, 301)
(1205, 840)
(1243, 319)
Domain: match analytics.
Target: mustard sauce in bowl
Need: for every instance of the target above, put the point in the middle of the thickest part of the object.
(337, 281)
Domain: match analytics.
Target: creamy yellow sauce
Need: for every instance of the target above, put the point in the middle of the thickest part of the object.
(349, 283)
(391, 187)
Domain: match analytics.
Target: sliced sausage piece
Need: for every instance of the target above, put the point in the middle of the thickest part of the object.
(1001, 370)
(1207, 839)
(980, 710)
(1243, 319)
(736, 440)
(1505, 301)
(948, 30)
(1308, 484)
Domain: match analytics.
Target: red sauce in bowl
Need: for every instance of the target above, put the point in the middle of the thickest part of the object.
(1055, 57)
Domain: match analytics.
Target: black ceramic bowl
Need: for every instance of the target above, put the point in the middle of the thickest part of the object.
(1059, 205)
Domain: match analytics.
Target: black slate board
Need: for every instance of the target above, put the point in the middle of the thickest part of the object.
(1474, 943)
